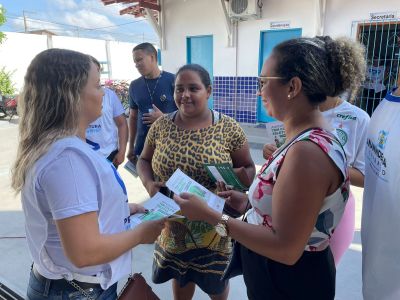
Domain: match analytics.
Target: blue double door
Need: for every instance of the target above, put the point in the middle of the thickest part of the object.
(199, 50)
(268, 40)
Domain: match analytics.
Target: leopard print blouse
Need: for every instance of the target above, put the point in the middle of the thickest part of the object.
(188, 150)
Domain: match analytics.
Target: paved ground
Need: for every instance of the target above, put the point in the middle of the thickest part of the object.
(15, 260)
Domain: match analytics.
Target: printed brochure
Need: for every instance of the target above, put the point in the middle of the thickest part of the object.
(224, 172)
(179, 183)
(159, 206)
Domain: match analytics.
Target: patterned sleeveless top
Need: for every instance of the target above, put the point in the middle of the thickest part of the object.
(261, 191)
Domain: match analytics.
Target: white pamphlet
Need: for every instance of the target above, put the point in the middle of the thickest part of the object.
(179, 183)
(131, 168)
(275, 133)
(159, 206)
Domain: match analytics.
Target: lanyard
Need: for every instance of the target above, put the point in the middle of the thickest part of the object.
(151, 93)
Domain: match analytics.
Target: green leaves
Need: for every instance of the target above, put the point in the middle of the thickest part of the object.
(2, 21)
(6, 84)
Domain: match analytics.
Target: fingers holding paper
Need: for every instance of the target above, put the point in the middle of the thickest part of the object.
(235, 199)
(193, 207)
(136, 208)
(150, 230)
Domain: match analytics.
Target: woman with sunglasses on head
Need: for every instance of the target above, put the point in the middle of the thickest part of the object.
(74, 201)
(192, 253)
(299, 195)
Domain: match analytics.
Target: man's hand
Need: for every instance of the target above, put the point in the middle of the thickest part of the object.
(118, 159)
(151, 117)
(131, 156)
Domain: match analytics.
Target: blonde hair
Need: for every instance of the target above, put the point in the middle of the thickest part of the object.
(49, 106)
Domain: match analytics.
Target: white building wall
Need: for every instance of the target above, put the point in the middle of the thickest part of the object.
(122, 61)
(300, 14)
(191, 18)
(205, 17)
(340, 14)
(18, 50)
(96, 48)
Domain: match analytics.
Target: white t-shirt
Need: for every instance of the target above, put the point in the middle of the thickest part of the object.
(69, 180)
(102, 134)
(381, 205)
(350, 124)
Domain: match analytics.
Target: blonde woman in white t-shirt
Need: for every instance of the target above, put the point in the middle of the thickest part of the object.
(74, 201)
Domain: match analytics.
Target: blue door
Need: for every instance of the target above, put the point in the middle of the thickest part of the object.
(200, 51)
(268, 40)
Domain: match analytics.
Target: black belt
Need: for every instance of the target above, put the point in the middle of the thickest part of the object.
(62, 283)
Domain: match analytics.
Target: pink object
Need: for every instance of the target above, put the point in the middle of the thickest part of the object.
(344, 232)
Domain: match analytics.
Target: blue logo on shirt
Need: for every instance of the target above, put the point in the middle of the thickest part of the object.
(94, 145)
(382, 138)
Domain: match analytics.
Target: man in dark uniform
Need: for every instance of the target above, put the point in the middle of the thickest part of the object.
(150, 96)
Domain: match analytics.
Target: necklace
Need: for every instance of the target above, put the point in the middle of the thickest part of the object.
(151, 93)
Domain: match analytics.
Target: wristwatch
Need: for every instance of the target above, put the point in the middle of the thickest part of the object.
(222, 227)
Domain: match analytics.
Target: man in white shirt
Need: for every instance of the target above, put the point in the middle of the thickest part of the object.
(109, 134)
(381, 205)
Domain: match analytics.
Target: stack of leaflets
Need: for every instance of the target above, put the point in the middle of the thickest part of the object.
(224, 172)
(131, 168)
(179, 183)
(159, 206)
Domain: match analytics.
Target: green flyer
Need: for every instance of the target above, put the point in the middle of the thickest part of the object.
(224, 172)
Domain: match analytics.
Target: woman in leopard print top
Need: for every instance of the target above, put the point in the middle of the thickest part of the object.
(191, 252)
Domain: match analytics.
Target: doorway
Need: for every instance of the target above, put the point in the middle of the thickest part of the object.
(199, 50)
(382, 53)
(268, 40)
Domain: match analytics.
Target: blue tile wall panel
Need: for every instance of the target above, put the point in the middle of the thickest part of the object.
(236, 97)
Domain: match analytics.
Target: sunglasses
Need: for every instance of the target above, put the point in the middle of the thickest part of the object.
(260, 82)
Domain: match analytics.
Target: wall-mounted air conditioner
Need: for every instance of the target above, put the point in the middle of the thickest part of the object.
(244, 9)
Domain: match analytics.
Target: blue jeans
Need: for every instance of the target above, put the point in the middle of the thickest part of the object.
(48, 289)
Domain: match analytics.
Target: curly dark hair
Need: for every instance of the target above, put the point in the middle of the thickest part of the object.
(325, 66)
